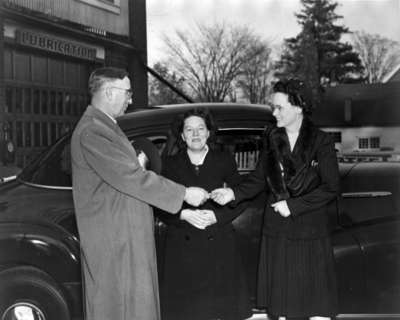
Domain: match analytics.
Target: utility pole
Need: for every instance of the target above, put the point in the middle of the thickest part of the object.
(138, 61)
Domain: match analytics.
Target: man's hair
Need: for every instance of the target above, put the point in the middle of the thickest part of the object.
(102, 75)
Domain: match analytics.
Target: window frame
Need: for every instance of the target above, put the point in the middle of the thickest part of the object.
(113, 6)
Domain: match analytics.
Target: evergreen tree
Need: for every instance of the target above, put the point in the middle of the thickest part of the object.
(316, 55)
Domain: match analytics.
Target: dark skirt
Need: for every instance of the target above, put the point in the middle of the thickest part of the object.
(202, 278)
(296, 278)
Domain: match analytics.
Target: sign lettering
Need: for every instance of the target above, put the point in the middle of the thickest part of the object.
(56, 45)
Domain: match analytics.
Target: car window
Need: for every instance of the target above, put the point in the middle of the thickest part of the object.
(245, 145)
(52, 168)
(160, 141)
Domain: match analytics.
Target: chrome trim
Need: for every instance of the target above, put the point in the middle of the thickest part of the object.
(244, 129)
(366, 194)
(6, 179)
(43, 186)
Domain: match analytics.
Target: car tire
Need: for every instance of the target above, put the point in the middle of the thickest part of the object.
(32, 293)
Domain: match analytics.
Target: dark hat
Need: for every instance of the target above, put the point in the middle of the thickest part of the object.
(151, 151)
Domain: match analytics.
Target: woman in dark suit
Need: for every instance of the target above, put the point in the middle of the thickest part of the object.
(201, 276)
(299, 171)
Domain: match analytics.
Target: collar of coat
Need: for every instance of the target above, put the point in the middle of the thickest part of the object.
(102, 119)
(281, 164)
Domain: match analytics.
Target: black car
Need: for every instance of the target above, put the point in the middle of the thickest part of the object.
(40, 274)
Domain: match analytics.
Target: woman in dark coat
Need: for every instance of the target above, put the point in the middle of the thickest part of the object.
(299, 171)
(201, 277)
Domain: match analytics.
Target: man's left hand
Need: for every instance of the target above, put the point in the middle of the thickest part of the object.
(282, 208)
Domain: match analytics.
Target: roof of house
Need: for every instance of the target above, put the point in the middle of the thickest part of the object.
(354, 105)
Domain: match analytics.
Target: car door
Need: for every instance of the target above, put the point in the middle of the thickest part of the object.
(246, 146)
(367, 244)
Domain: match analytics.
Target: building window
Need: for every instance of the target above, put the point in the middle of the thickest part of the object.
(36, 134)
(44, 102)
(109, 5)
(45, 140)
(18, 100)
(27, 100)
(53, 105)
(36, 101)
(60, 109)
(53, 132)
(60, 129)
(67, 127)
(10, 131)
(369, 143)
(19, 133)
(336, 136)
(28, 134)
(67, 103)
(363, 143)
(374, 142)
(74, 105)
(9, 100)
(83, 104)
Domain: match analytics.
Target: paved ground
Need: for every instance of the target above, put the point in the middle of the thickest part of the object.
(341, 316)
(353, 317)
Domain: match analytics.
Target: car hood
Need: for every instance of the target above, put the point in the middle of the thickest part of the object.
(21, 203)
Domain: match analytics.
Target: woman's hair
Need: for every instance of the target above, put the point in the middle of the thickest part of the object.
(179, 122)
(295, 90)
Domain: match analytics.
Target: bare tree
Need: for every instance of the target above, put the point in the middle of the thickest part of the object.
(379, 55)
(159, 93)
(210, 58)
(257, 72)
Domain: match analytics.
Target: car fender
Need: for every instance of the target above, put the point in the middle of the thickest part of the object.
(42, 245)
(350, 269)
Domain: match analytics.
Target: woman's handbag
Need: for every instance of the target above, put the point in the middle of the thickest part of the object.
(305, 180)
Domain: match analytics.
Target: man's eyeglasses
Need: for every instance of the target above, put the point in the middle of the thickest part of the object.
(128, 92)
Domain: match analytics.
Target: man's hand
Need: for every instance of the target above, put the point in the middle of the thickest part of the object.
(200, 219)
(282, 208)
(143, 160)
(222, 195)
(196, 196)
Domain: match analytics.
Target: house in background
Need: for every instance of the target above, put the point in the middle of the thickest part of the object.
(364, 119)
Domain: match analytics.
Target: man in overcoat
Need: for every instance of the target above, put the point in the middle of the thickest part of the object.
(112, 196)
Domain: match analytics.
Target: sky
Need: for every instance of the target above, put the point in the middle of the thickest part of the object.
(273, 20)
